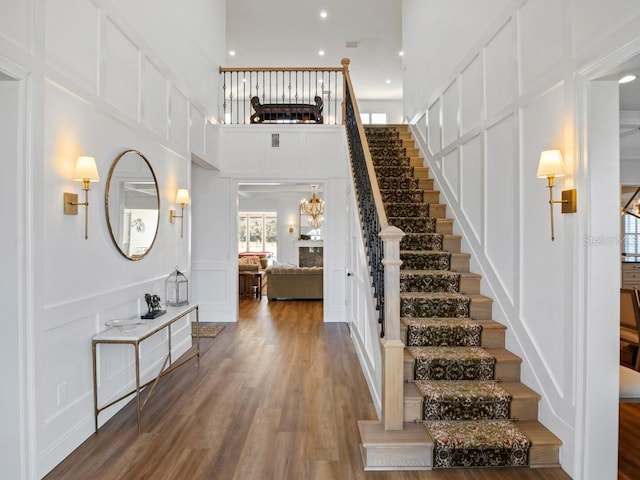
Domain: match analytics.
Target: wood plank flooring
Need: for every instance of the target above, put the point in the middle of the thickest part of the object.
(277, 397)
(629, 442)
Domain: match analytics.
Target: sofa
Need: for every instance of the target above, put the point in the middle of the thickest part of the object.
(294, 283)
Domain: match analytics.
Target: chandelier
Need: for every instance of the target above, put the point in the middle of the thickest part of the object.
(314, 207)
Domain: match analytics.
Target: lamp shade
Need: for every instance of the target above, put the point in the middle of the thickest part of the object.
(551, 164)
(86, 170)
(182, 197)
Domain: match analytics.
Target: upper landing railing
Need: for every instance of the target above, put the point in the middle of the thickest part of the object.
(282, 95)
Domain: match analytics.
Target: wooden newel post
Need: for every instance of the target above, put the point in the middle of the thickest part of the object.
(345, 71)
(392, 346)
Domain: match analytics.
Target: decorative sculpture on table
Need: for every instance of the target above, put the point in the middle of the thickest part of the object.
(154, 309)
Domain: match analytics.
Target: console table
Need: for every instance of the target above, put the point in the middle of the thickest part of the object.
(134, 335)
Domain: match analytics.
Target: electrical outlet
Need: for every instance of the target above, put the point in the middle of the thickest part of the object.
(62, 393)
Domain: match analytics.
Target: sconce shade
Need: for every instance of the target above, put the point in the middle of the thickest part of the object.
(182, 197)
(550, 164)
(86, 170)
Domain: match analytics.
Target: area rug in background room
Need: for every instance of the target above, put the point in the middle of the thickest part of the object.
(207, 330)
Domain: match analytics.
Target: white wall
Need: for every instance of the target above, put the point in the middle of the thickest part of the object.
(13, 432)
(393, 109)
(361, 313)
(99, 78)
(306, 154)
(436, 35)
(496, 94)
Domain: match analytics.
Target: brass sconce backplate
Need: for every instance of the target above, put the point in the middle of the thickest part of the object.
(569, 203)
(70, 203)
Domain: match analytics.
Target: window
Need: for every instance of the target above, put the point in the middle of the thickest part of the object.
(379, 118)
(376, 118)
(257, 232)
(631, 236)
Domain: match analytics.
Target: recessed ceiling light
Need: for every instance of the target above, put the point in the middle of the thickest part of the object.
(232, 53)
(388, 81)
(627, 79)
(401, 53)
(323, 14)
(321, 52)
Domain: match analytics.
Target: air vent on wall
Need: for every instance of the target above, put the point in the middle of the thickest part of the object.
(351, 44)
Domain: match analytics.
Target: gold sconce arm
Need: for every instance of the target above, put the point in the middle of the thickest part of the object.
(182, 199)
(173, 216)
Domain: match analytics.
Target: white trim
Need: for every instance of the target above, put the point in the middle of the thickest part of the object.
(587, 269)
(24, 218)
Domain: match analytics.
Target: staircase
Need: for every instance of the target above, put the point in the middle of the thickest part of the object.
(464, 405)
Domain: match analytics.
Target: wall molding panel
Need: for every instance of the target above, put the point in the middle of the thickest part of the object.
(477, 115)
(522, 92)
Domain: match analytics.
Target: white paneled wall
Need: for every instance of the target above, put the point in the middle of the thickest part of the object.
(500, 70)
(120, 70)
(74, 50)
(502, 198)
(95, 83)
(489, 110)
(471, 174)
(471, 102)
(317, 154)
(360, 312)
(154, 108)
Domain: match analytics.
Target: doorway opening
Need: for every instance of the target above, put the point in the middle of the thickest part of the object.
(13, 344)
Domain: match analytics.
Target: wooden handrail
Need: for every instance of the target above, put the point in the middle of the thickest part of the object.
(280, 85)
(279, 69)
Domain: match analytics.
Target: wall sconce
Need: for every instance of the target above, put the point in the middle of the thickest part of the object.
(551, 166)
(291, 228)
(86, 172)
(182, 199)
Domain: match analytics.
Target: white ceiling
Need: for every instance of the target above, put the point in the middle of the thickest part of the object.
(289, 33)
(629, 108)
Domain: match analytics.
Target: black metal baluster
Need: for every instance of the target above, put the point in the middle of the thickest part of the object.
(224, 97)
(368, 214)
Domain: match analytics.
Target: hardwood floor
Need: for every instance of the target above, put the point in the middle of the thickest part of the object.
(629, 442)
(277, 396)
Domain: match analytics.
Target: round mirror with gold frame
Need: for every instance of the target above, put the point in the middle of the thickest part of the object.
(132, 204)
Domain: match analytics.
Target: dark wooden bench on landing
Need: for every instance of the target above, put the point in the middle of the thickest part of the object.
(289, 112)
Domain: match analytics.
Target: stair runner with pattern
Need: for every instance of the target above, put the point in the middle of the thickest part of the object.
(464, 383)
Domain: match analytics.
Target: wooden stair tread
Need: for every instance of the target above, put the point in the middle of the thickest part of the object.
(538, 433)
(418, 272)
(500, 354)
(545, 446)
(524, 403)
(492, 335)
(518, 390)
(373, 433)
(503, 355)
(486, 323)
